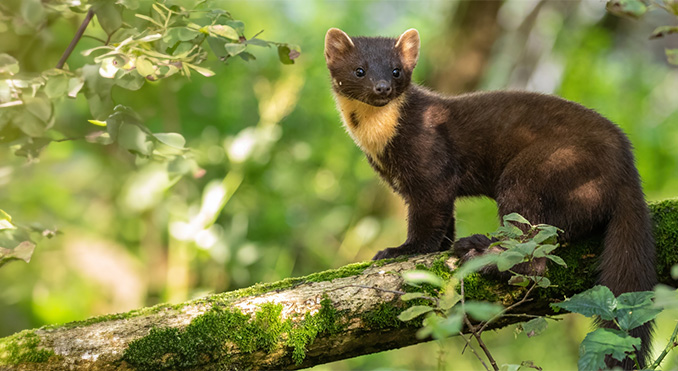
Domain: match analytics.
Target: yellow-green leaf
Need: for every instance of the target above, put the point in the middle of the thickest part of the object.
(97, 122)
(224, 31)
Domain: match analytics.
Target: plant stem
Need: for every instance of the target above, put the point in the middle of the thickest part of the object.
(76, 38)
(672, 344)
(523, 300)
(476, 334)
(468, 344)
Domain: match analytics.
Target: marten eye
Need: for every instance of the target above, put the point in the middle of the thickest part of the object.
(396, 72)
(359, 72)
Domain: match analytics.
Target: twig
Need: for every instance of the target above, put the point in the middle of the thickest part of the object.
(76, 38)
(476, 334)
(468, 344)
(523, 300)
(672, 344)
(554, 318)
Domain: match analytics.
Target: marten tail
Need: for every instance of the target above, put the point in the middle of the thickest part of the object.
(628, 259)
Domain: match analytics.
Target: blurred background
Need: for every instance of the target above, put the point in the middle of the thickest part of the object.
(285, 191)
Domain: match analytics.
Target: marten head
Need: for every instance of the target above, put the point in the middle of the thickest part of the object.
(373, 70)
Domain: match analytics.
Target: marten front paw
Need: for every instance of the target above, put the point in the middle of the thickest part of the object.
(471, 246)
(394, 252)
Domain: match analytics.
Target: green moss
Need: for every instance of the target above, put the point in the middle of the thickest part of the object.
(665, 218)
(117, 316)
(258, 289)
(327, 320)
(23, 347)
(204, 339)
(479, 287)
(384, 316)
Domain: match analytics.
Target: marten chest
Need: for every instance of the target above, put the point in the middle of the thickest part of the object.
(371, 128)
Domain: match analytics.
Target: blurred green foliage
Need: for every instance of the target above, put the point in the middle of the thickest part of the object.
(277, 188)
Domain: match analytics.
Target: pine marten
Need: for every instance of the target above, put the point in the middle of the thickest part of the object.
(551, 160)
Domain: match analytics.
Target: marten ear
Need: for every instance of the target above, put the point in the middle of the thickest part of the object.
(337, 44)
(408, 47)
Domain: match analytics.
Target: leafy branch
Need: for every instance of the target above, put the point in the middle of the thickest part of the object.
(145, 41)
(635, 9)
(518, 248)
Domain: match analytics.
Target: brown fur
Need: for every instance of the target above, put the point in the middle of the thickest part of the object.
(551, 160)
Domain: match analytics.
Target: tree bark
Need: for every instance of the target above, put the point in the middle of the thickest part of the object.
(297, 322)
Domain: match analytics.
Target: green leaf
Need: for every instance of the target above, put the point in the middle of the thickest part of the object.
(546, 234)
(130, 80)
(519, 280)
(674, 272)
(171, 139)
(508, 259)
(287, 55)
(542, 282)
(144, 66)
(634, 309)
(203, 71)
(217, 46)
(224, 31)
(665, 297)
(97, 91)
(40, 107)
(420, 276)
(534, 326)
(97, 122)
(672, 56)
(56, 86)
(663, 31)
(509, 367)
(481, 310)
(108, 15)
(100, 107)
(526, 248)
(597, 301)
(448, 326)
(475, 264)
(626, 8)
(234, 49)
(237, 25)
(602, 342)
(544, 250)
(414, 312)
(180, 34)
(32, 148)
(23, 251)
(170, 144)
(33, 12)
(258, 42)
(557, 259)
(247, 56)
(6, 221)
(440, 327)
(74, 86)
(515, 217)
(133, 139)
(8, 64)
(413, 295)
(508, 230)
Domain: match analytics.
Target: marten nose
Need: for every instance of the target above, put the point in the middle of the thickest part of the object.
(382, 87)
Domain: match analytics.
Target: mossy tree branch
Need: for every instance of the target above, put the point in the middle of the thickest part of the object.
(297, 322)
